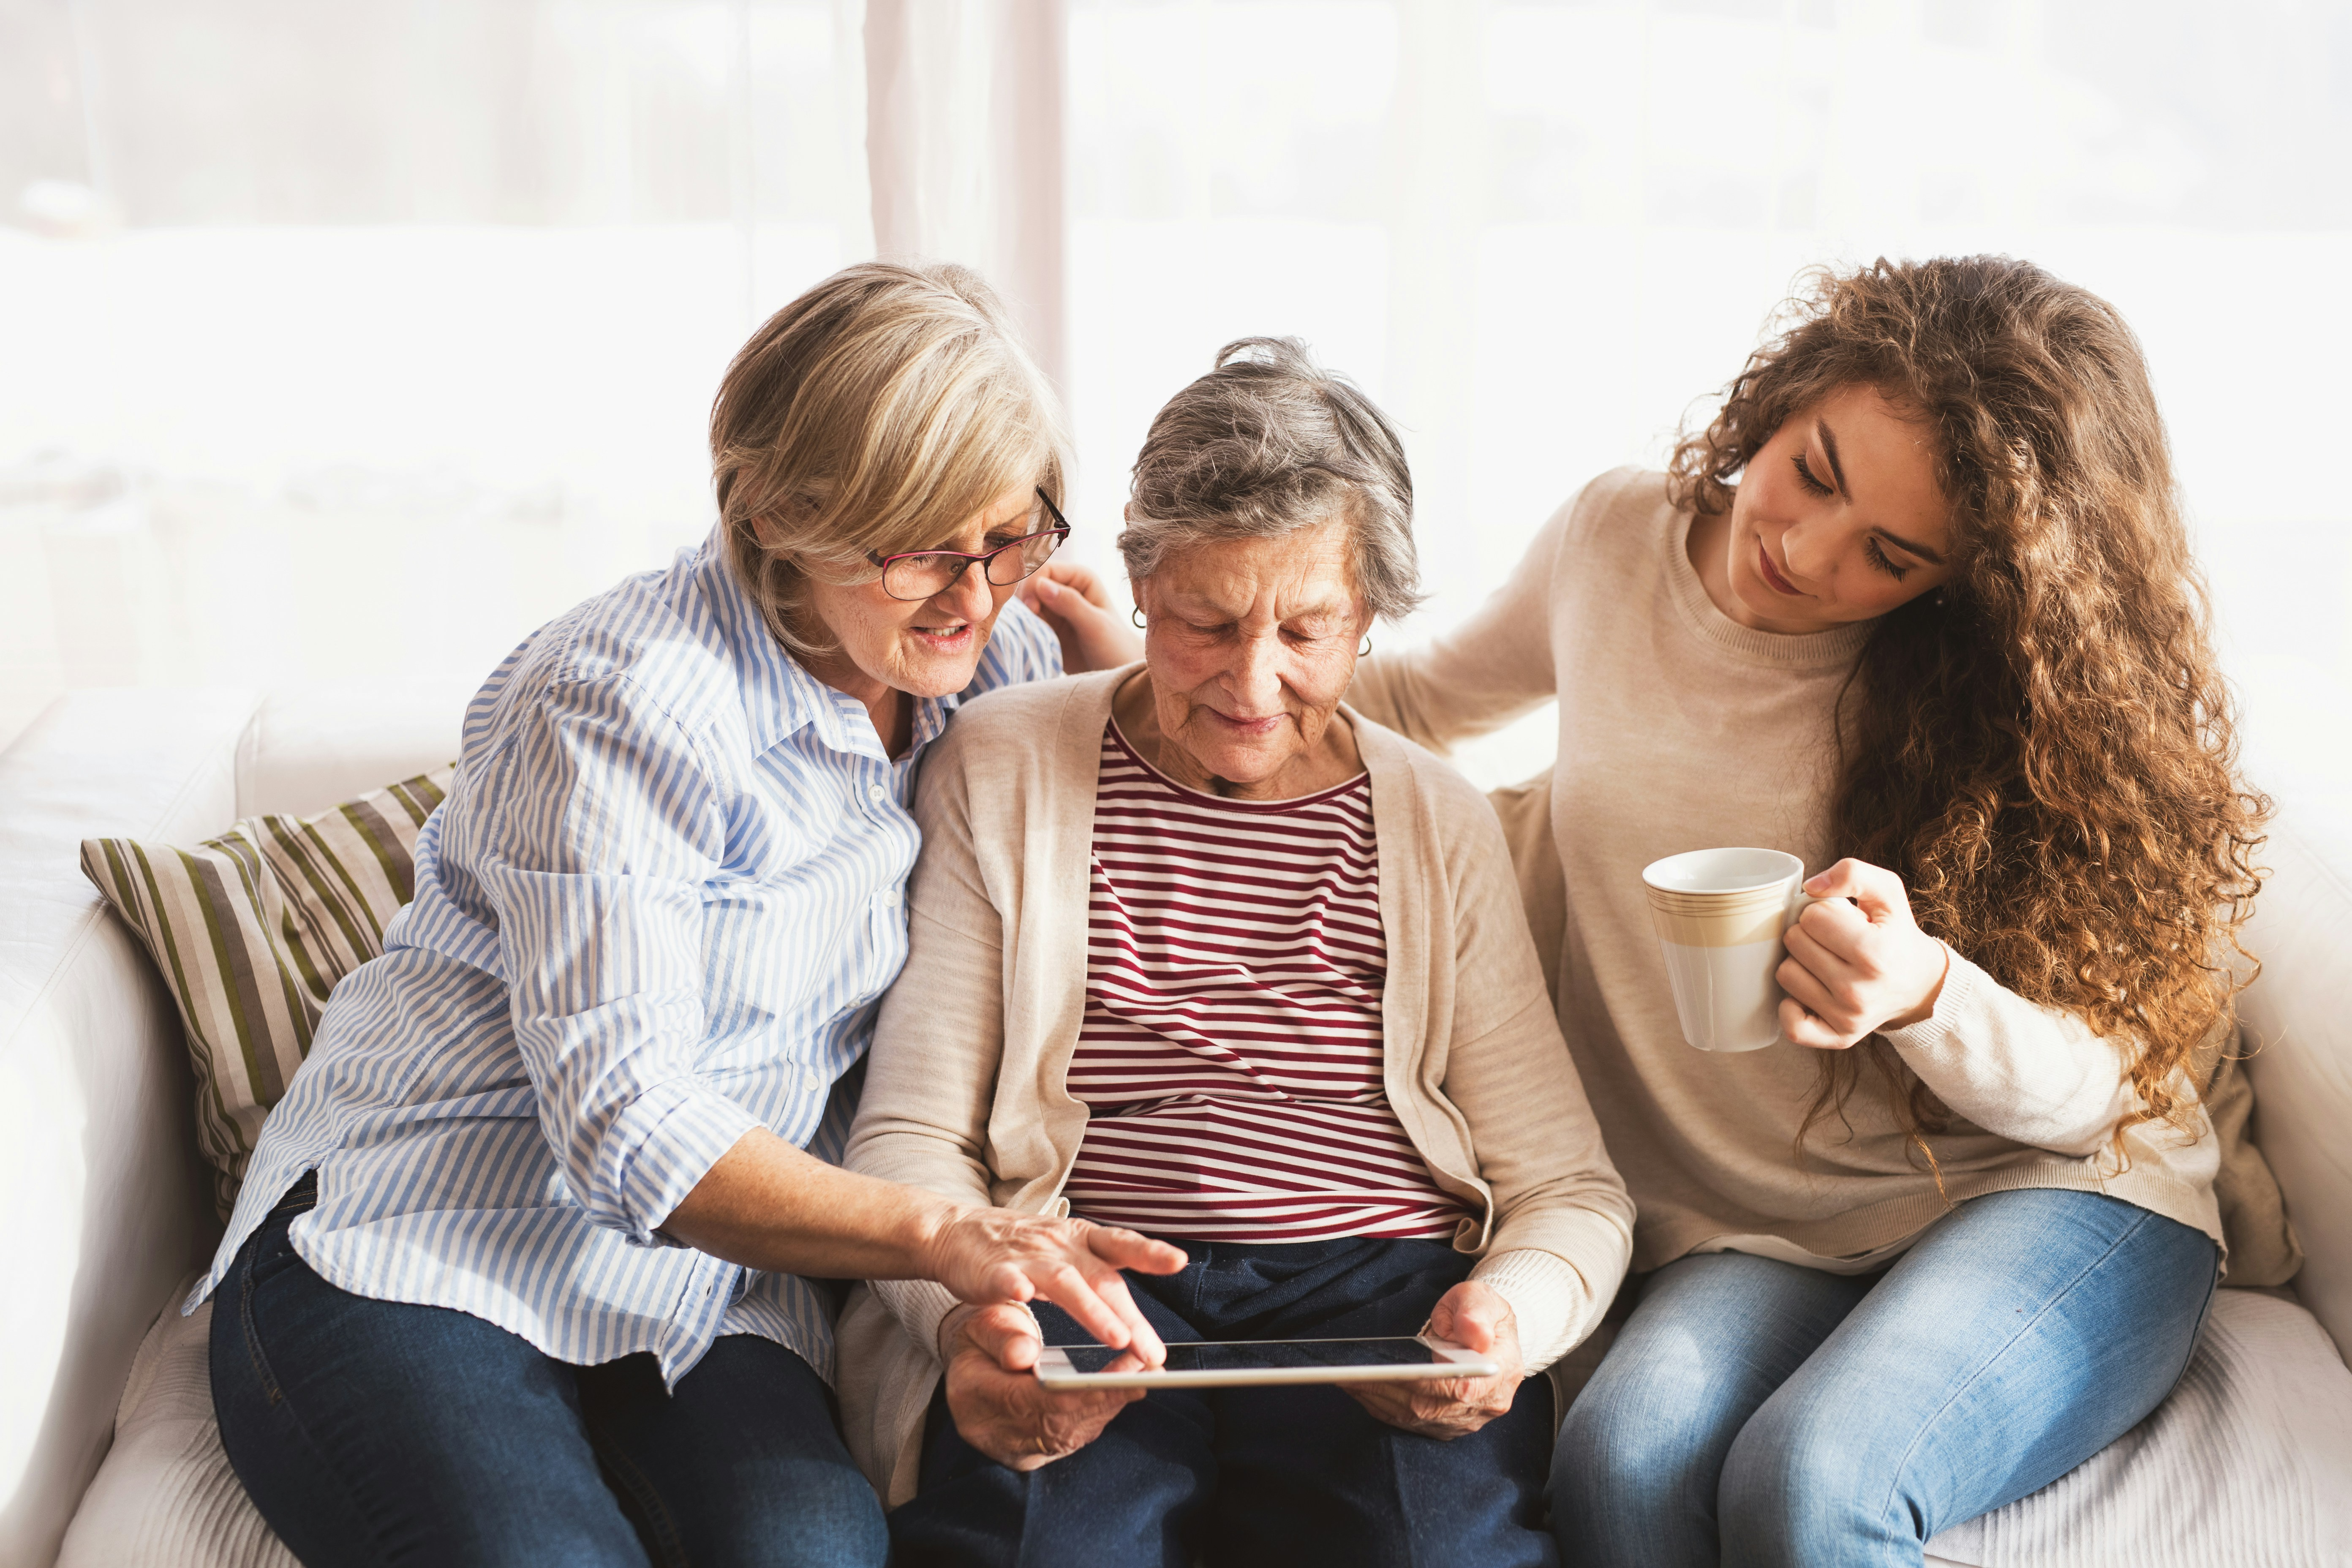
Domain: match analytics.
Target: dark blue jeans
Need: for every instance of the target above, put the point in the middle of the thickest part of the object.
(1756, 1414)
(378, 1433)
(1239, 1476)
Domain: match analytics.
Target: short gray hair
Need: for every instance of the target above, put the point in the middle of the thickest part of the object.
(1268, 443)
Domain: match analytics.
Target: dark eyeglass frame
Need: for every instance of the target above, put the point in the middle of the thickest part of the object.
(1059, 532)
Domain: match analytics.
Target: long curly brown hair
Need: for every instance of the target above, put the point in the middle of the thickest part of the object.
(2044, 749)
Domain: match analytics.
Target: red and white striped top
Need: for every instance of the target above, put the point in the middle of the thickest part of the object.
(1231, 1047)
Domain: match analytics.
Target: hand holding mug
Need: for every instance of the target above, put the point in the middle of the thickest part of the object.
(1856, 967)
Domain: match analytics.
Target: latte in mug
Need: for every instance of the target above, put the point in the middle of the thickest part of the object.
(1719, 915)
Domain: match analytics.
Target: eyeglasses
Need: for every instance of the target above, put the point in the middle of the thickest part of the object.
(926, 574)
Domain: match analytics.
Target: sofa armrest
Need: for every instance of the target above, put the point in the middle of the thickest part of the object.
(107, 1202)
(2298, 1034)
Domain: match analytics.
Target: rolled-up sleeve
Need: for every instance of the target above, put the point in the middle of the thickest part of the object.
(605, 829)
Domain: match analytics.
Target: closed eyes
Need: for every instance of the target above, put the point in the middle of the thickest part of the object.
(1885, 562)
(1871, 550)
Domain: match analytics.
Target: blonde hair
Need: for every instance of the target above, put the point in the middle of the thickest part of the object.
(876, 411)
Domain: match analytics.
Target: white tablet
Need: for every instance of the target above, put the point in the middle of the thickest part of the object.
(1233, 1364)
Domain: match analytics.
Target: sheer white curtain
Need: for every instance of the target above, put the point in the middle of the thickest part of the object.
(1539, 233)
(347, 340)
(354, 340)
(964, 146)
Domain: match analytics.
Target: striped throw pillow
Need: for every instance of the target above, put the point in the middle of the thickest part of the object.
(253, 929)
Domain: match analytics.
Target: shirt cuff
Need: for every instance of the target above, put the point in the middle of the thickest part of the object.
(659, 1149)
(1549, 1300)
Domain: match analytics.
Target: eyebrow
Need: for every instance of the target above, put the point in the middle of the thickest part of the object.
(1829, 445)
(1921, 551)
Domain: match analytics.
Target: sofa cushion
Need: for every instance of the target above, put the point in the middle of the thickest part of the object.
(2249, 1462)
(166, 1498)
(252, 929)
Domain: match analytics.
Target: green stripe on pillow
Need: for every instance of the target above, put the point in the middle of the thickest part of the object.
(252, 929)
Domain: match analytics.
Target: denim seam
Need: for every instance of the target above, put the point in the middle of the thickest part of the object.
(252, 1336)
(279, 1402)
(245, 1325)
(1895, 1483)
(2197, 1333)
(648, 1497)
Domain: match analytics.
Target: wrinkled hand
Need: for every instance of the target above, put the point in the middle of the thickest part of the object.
(1000, 1407)
(1859, 967)
(989, 1255)
(1073, 601)
(1475, 1317)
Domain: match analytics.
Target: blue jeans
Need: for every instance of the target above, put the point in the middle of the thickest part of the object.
(377, 1432)
(1244, 1476)
(1756, 1412)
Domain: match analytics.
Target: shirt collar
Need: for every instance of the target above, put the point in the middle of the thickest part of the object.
(780, 696)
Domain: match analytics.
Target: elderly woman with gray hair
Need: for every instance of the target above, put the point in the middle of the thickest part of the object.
(1200, 953)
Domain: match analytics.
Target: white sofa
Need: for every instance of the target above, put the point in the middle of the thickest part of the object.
(106, 1213)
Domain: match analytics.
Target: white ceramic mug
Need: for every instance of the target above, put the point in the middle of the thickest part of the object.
(1720, 915)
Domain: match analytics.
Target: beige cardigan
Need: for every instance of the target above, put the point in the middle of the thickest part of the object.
(1680, 729)
(965, 1091)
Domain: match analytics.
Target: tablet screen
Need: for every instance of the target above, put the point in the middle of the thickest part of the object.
(1249, 1355)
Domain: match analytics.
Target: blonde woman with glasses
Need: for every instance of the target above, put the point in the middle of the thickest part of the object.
(528, 1265)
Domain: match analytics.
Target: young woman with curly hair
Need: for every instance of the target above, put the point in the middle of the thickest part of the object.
(1918, 606)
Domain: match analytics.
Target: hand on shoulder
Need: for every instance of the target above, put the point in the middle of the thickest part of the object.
(1073, 600)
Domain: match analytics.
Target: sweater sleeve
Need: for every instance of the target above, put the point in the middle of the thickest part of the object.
(923, 1117)
(1549, 1301)
(1563, 1225)
(2033, 1074)
(1486, 671)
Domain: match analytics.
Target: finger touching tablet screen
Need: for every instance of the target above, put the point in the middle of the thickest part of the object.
(1238, 1362)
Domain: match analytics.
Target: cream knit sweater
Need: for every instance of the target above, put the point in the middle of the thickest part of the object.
(965, 1089)
(1681, 729)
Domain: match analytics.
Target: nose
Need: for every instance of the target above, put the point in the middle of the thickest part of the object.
(1797, 543)
(968, 597)
(1256, 678)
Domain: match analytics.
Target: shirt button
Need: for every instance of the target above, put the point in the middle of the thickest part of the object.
(876, 793)
(890, 899)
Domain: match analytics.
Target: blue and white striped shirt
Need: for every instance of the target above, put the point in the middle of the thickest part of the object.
(655, 911)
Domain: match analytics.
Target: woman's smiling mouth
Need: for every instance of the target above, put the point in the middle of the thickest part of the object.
(944, 638)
